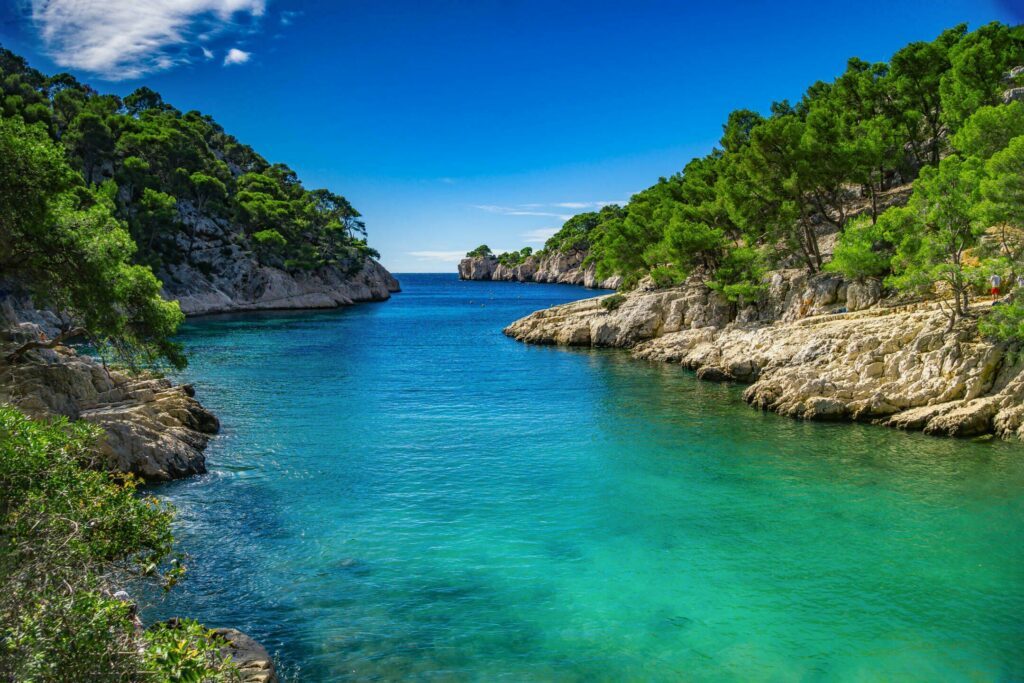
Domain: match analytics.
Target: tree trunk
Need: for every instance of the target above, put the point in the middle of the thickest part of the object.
(43, 344)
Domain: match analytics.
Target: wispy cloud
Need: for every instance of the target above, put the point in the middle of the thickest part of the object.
(208, 53)
(539, 236)
(236, 56)
(550, 210)
(521, 210)
(447, 256)
(289, 16)
(120, 39)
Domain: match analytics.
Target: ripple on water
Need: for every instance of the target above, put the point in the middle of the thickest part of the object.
(401, 491)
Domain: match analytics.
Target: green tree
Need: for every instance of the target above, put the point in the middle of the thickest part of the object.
(90, 141)
(866, 248)
(1002, 190)
(912, 85)
(940, 228)
(480, 252)
(61, 241)
(977, 65)
(989, 130)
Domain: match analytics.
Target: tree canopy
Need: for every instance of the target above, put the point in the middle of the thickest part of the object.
(783, 179)
(164, 162)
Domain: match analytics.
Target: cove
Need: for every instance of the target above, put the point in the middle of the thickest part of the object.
(402, 491)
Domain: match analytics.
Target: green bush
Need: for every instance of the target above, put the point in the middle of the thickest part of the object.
(612, 303)
(480, 252)
(71, 537)
(1004, 322)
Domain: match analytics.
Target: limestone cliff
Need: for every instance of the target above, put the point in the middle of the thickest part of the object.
(215, 271)
(815, 348)
(555, 267)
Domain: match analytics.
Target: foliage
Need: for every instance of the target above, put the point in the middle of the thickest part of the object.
(580, 232)
(612, 302)
(866, 248)
(783, 179)
(269, 245)
(1005, 322)
(512, 259)
(63, 242)
(977, 63)
(1003, 188)
(185, 651)
(939, 230)
(480, 252)
(166, 162)
(989, 130)
(740, 275)
(72, 536)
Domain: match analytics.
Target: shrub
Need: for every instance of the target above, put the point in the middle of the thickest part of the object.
(72, 537)
(612, 303)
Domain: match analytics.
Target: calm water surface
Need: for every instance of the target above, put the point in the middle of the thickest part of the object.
(401, 491)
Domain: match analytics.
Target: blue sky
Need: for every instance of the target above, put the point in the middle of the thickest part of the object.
(454, 123)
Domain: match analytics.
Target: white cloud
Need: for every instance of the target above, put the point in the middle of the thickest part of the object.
(550, 210)
(540, 235)
(120, 39)
(521, 210)
(208, 53)
(447, 256)
(236, 56)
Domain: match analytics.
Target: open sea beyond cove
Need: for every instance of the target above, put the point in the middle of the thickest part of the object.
(402, 491)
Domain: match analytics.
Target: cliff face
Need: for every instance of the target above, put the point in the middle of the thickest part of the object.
(213, 273)
(815, 348)
(559, 268)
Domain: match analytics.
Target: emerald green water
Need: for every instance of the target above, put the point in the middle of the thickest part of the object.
(402, 492)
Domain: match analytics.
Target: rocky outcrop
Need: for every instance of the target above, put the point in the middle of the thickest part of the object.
(1013, 78)
(558, 268)
(215, 272)
(248, 286)
(153, 428)
(255, 665)
(806, 353)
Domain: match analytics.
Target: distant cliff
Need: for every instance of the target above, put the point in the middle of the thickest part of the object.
(557, 267)
(215, 270)
(221, 227)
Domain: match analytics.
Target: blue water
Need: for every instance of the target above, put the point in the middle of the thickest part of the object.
(401, 491)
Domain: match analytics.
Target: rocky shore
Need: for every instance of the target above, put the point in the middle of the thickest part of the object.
(814, 348)
(559, 268)
(245, 285)
(154, 429)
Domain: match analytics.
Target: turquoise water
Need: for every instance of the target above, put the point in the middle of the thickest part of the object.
(401, 491)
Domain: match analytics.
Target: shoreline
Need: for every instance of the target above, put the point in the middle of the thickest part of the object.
(888, 366)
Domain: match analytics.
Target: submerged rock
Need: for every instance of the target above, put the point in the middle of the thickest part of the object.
(255, 665)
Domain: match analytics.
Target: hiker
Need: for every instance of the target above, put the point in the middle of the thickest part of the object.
(995, 281)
